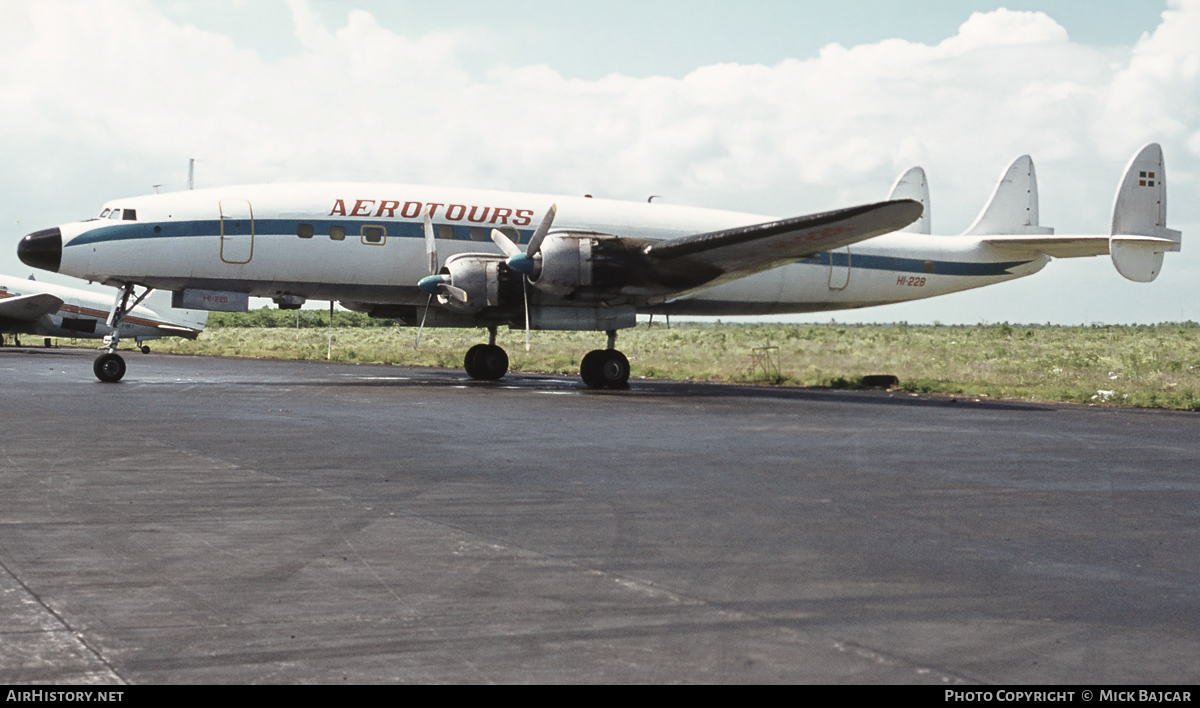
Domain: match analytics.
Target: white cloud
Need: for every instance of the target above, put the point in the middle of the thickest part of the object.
(120, 83)
(1157, 94)
(1004, 27)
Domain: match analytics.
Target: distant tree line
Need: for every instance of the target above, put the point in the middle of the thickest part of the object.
(271, 317)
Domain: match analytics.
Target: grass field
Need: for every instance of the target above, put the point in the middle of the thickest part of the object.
(1150, 366)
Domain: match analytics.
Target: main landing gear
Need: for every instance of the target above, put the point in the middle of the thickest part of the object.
(110, 367)
(605, 368)
(600, 368)
(486, 362)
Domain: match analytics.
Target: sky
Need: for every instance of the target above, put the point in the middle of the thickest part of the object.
(779, 108)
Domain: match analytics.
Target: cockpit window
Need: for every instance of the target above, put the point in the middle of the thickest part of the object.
(104, 213)
(130, 215)
(116, 214)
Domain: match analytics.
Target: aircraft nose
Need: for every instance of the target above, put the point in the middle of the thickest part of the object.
(42, 249)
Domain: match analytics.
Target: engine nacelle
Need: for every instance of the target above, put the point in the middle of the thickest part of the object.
(485, 279)
(566, 264)
(574, 261)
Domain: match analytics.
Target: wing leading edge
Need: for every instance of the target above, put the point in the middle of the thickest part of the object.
(745, 250)
(27, 308)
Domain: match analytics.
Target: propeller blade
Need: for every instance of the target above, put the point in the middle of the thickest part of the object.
(535, 243)
(453, 293)
(428, 301)
(430, 244)
(505, 243)
(525, 289)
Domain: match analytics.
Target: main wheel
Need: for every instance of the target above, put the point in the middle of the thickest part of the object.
(614, 369)
(588, 370)
(491, 362)
(109, 368)
(605, 368)
(469, 364)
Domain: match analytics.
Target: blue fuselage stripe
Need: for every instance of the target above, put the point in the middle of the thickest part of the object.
(282, 227)
(321, 228)
(863, 261)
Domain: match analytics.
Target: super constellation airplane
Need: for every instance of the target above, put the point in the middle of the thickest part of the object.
(589, 264)
(31, 307)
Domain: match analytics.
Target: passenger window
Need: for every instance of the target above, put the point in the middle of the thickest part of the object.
(445, 231)
(130, 215)
(337, 233)
(478, 234)
(512, 234)
(372, 234)
(304, 230)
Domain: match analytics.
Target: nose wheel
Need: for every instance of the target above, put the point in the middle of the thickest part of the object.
(109, 367)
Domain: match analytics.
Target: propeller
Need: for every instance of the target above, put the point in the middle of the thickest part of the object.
(524, 261)
(435, 284)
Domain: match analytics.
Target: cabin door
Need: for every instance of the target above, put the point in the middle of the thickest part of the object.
(839, 268)
(237, 231)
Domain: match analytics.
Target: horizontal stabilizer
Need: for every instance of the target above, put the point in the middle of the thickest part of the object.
(913, 185)
(1053, 246)
(27, 308)
(1013, 208)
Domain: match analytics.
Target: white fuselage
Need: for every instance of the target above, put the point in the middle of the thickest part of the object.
(364, 243)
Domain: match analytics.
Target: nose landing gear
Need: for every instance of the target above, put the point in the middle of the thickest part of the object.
(110, 367)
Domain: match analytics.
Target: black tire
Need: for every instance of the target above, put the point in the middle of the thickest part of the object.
(588, 370)
(605, 368)
(109, 368)
(613, 369)
(491, 362)
(469, 364)
(145, 349)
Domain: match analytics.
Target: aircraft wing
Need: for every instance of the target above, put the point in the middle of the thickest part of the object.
(741, 251)
(1066, 246)
(177, 331)
(27, 308)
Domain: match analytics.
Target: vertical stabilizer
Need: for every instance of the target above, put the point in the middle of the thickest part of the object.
(1140, 235)
(913, 185)
(1013, 208)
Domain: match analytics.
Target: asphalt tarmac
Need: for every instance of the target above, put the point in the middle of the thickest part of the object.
(240, 521)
